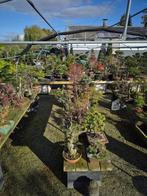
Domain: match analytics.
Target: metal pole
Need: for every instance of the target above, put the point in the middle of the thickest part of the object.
(127, 19)
(73, 42)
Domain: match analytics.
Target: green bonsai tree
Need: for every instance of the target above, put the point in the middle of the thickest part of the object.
(140, 101)
(94, 121)
(97, 150)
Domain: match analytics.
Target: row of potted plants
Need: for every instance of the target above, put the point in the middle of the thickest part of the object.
(16, 86)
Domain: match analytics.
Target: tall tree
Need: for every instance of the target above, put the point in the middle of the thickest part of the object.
(123, 19)
(35, 33)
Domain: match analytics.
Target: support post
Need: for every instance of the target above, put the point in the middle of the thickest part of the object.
(127, 19)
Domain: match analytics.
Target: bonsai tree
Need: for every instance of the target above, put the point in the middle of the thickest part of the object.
(94, 121)
(139, 102)
(96, 150)
(71, 153)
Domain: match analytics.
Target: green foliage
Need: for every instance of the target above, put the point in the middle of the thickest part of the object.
(94, 121)
(140, 101)
(97, 151)
(35, 33)
(134, 71)
(54, 65)
(85, 80)
(71, 144)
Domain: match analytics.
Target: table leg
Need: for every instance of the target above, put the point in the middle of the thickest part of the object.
(73, 176)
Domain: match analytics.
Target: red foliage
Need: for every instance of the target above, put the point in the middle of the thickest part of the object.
(100, 66)
(8, 96)
(76, 72)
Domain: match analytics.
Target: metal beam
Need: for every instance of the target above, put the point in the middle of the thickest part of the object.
(127, 19)
(72, 42)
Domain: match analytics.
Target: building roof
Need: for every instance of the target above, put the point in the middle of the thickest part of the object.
(95, 33)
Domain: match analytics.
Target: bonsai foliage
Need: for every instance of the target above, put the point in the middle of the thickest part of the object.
(54, 66)
(8, 96)
(140, 101)
(75, 72)
(94, 121)
(71, 147)
(97, 150)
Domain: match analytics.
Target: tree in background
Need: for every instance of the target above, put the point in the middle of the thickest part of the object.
(144, 17)
(123, 20)
(35, 33)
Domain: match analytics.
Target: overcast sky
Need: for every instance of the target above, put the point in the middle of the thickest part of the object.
(17, 14)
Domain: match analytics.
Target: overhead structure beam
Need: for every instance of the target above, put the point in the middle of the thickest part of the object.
(38, 12)
(4, 1)
(131, 16)
(73, 42)
(127, 19)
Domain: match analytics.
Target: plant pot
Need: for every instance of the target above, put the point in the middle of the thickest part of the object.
(94, 137)
(71, 161)
(138, 110)
(4, 129)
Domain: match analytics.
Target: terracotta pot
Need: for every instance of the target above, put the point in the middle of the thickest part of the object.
(138, 110)
(71, 161)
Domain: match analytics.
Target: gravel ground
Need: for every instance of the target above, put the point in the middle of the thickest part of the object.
(32, 157)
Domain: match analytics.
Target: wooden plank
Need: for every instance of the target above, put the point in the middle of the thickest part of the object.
(16, 114)
(94, 82)
(57, 83)
(67, 167)
(81, 165)
(105, 165)
(93, 165)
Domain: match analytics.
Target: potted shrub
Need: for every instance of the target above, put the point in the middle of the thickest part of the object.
(94, 124)
(96, 150)
(71, 152)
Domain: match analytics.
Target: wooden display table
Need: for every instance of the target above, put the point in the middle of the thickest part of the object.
(91, 168)
(16, 114)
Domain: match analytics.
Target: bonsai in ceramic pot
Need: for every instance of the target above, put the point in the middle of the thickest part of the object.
(96, 150)
(71, 152)
(94, 124)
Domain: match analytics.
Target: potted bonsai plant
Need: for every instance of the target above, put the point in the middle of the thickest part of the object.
(93, 125)
(96, 150)
(71, 152)
(139, 101)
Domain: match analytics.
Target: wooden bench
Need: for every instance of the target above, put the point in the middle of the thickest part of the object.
(16, 115)
(91, 168)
